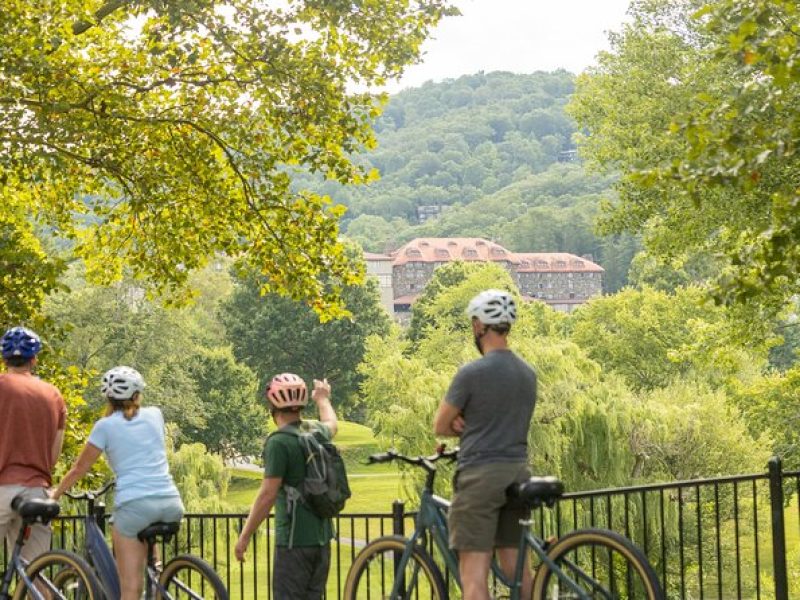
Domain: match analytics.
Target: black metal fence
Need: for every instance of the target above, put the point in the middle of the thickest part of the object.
(730, 537)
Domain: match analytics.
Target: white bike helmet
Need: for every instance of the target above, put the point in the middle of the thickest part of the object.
(121, 383)
(493, 307)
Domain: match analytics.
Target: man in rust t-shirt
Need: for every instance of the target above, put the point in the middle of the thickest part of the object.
(32, 420)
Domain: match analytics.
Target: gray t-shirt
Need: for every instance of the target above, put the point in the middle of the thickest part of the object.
(496, 395)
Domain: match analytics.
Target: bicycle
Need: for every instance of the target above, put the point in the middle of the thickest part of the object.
(184, 576)
(56, 574)
(586, 564)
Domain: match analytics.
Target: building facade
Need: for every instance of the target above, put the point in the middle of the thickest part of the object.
(564, 281)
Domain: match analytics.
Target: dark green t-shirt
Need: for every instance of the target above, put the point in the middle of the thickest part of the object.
(283, 457)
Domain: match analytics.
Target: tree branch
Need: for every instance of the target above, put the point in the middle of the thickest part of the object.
(105, 10)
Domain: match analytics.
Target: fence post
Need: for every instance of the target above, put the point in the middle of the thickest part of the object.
(398, 517)
(399, 528)
(778, 531)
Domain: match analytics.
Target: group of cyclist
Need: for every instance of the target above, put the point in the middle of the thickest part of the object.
(489, 406)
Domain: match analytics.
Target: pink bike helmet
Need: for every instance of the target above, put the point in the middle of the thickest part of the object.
(287, 390)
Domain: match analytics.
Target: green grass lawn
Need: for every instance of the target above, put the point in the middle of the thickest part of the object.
(374, 487)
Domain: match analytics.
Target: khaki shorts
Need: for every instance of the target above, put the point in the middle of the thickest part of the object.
(10, 522)
(480, 519)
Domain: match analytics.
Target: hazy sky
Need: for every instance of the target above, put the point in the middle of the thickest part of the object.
(516, 35)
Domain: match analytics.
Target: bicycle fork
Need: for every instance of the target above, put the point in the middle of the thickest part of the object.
(400, 588)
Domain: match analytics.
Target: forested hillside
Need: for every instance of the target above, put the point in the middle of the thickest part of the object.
(486, 149)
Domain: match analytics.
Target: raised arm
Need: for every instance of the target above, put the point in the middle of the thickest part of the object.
(322, 396)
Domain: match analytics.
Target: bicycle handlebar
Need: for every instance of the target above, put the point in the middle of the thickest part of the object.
(91, 494)
(420, 461)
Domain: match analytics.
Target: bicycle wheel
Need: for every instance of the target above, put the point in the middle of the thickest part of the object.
(190, 577)
(372, 574)
(61, 575)
(603, 564)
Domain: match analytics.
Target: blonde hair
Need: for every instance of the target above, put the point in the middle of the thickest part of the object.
(129, 408)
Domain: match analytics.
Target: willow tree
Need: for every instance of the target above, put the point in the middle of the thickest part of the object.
(156, 133)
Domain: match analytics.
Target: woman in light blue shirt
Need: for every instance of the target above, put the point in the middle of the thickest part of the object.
(133, 439)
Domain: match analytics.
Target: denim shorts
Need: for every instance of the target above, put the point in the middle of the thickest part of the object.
(135, 515)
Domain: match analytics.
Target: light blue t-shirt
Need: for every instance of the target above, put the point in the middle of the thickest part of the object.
(135, 450)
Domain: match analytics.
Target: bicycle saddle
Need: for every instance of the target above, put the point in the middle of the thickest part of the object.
(536, 491)
(35, 509)
(148, 534)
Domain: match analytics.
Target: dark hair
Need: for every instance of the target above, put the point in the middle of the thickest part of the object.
(17, 361)
(501, 328)
(286, 409)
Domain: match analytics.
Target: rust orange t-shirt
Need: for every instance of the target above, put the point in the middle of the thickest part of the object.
(31, 413)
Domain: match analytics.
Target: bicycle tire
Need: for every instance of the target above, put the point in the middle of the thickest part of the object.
(190, 577)
(365, 582)
(67, 573)
(608, 558)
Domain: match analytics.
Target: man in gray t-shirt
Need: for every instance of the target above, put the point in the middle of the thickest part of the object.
(489, 405)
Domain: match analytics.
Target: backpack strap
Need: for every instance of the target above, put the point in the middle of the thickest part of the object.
(293, 494)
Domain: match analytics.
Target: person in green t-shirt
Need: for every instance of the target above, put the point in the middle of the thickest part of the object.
(302, 549)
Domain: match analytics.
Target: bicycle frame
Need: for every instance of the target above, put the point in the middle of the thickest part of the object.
(17, 564)
(432, 520)
(101, 558)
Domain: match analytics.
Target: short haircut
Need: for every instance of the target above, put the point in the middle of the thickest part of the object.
(17, 361)
(285, 409)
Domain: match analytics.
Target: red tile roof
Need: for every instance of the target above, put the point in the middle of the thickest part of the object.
(477, 249)
(538, 262)
(450, 249)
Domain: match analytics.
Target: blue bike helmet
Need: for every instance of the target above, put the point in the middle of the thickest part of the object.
(20, 342)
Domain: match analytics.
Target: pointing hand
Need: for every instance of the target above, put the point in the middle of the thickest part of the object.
(322, 390)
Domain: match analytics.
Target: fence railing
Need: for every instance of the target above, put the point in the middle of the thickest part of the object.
(729, 537)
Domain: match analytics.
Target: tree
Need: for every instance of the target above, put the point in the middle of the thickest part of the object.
(771, 406)
(685, 106)
(201, 478)
(273, 334)
(156, 134)
(375, 233)
(108, 326)
(186, 362)
(234, 415)
(27, 276)
(652, 338)
(694, 432)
